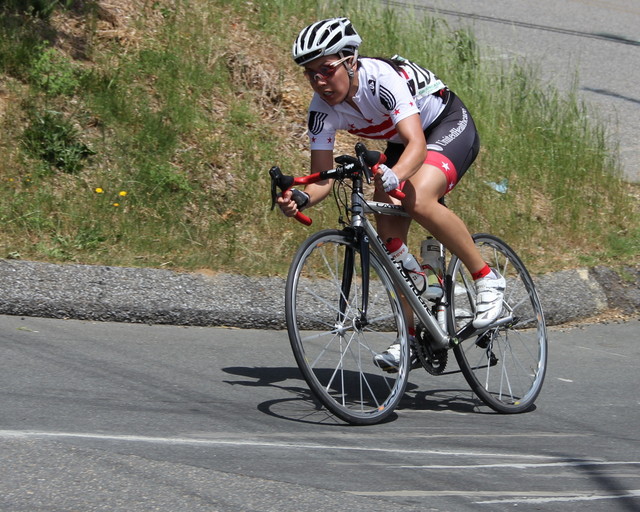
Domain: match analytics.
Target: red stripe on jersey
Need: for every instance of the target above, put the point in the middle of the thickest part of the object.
(373, 129)
(381, 136)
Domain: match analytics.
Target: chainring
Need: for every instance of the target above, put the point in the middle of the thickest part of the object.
(434, 361)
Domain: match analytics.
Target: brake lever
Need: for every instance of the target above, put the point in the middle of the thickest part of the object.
(274, 190)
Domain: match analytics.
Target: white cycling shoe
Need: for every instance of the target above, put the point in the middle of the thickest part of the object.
(389, 360)
(489, 299)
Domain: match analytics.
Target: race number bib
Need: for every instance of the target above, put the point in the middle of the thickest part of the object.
(421, 81)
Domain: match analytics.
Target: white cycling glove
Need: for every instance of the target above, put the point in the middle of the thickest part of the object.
(389, 178)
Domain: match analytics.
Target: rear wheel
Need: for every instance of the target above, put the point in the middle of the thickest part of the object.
(332, 347)
(505, 365)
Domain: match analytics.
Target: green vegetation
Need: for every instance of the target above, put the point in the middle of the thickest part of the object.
(143, 136)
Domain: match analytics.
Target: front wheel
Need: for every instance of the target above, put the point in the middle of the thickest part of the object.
(332, 345)
(505, 365)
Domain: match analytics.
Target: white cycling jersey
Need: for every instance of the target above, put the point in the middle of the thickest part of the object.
(385, 97)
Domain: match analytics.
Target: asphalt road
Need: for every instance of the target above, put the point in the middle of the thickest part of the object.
(595, 41)
(129, 417)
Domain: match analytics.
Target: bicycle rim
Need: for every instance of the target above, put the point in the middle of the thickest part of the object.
(506, 365)
(335, 353)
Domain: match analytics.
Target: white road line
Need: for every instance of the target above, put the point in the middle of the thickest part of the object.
(508, 497)
(574, 463)
(607, 352)
(524, 495)
(635, 493)
(536, 461)
(520, 497)
(31, 434)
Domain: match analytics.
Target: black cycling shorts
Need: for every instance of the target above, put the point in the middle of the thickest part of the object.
(452, 141)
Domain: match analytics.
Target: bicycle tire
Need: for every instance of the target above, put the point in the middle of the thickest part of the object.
(506, 364)
(334, 353)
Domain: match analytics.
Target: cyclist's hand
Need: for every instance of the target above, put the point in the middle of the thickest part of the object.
(388, 179)
(292, 201)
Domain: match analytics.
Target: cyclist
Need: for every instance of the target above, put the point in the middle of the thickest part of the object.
(431, 142)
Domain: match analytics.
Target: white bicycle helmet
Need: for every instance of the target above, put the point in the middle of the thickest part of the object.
(326, 37)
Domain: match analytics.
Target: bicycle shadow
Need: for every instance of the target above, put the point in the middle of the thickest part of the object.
(459, 400)
(442, 399)
(303, 407)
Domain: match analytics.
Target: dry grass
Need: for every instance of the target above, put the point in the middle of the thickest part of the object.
(248, 121)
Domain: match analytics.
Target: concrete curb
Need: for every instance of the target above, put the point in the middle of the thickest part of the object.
(158, 296)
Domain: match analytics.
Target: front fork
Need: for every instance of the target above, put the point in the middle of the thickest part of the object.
(362, 243)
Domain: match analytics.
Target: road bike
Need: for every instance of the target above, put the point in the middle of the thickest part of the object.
(344, 301)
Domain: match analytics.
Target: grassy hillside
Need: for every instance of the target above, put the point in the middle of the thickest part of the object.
(140, 133)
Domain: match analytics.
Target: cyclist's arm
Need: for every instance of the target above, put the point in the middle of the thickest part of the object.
(415, 152)
(321, 160)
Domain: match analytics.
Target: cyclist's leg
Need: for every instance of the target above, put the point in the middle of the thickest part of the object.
(423, 191)
(393, 227)
(452, 145)
(389, 226)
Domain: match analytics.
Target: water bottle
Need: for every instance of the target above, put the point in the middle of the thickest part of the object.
(400, 253)
(433, 267)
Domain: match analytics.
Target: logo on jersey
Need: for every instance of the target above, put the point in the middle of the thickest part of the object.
(387, 99)
(316, 121)
(372, 85)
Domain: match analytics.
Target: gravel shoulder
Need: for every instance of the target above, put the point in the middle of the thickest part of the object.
(156, 296)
